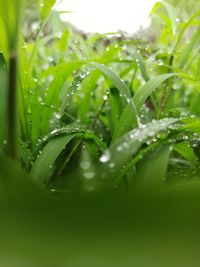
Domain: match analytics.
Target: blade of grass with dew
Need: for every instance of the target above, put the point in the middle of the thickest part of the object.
(141, 95)
(184, 149)
(26, 86)
(192, 124)
(123, 90)
(109, 55)
(166, 138)
(146, 90)
(141, 64)
(86, 87)
(126, 147)
(116, 106)
(184, 28)
(171, 12)
(51, 146)
(46, 7)
(186, 55)
(44, 163)
(52, 101)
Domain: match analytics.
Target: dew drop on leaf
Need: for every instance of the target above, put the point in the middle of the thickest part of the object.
(89, 175)
(105, 157)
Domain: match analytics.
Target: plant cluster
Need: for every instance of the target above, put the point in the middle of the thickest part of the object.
(94, 112)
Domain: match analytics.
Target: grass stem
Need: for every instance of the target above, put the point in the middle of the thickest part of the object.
(12, 107)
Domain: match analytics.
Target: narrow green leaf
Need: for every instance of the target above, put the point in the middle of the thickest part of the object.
(46, 8)
(116, 106)
(126, 120)
(151, 170)
(141, 64)
(146, 90)
(194, 40)
(41, 122)
(46, 160)
(184, 149)
(117, 82)
(123, 90)
(184, 28)
(50, 147)
(171, 12)
(126, 147)
(88, 84)
(3, 99)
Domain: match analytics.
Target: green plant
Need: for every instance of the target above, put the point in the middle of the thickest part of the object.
(92, 109)
(99, 140)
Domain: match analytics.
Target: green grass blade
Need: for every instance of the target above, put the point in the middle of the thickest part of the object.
(116, 107)
(3, 99)
(141, 95)
(88, 84)
(117, 82)
(41, 122)
(141, 64)
(151, 170)
(45, 162)
(171, 13)
(123, 149)
(50, 147)
(140, 61)
(46, 8)
(124, 124)
(184, 149)
(123, 90)
(184, 28)
(147, 89)
(186, 55)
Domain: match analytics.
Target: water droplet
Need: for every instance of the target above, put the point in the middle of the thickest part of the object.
(40, 99)
(57, 115)
(35, 26)
(119, 148)
(105, 97)
(89, 187)
(59, 35)
(112, 165)
(89, 175)
(85, 165)
(50, 78)
(105, 157)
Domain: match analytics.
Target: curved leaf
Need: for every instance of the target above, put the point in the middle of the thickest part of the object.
(194, 40)
(123, 90)
(141, 95)
(50, 147)
(125, 148)
(147, 89)
(184, 28)
(171, 12)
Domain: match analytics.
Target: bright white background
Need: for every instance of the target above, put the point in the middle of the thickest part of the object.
(107, 15)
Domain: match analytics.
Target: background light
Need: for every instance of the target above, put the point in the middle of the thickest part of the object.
(107, 15)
